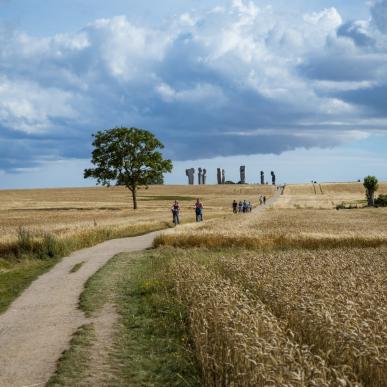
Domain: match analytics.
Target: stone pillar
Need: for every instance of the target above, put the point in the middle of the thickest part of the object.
(223, 177)
(191, 176)
(273, 179)
(262, 177)
(204, 176)
(243, 174)
(219, 176)
(200, 176)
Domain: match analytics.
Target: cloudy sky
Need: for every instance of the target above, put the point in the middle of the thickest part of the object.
(299, 87)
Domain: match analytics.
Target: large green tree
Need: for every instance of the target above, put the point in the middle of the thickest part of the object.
(129, 156)
(371, 185)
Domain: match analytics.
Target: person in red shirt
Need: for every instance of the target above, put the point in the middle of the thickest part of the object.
(199, 210)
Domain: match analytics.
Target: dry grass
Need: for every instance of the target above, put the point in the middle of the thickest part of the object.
(66, 212)
(287, 228)
(286, 318)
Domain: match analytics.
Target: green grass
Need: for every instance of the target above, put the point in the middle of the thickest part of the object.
(72, 365)
(150, 345)
(76, 267)
(16, 276)
(30, 256)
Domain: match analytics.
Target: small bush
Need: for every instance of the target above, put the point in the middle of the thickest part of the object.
(381, 201)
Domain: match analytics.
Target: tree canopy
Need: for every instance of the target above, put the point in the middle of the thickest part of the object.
(371, 185)
(131, 157)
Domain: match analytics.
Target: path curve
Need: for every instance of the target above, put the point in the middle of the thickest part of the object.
(38, 326)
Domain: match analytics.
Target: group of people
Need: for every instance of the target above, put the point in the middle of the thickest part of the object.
(198, 208)
(241, 207)
(237, 207)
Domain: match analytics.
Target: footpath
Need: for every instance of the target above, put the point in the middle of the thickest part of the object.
(38, 326)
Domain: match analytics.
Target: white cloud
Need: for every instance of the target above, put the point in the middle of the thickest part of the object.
(227, 70)
(26, 107)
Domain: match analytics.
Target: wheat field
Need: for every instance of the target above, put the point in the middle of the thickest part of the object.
(65, 212)
(324, 195)
(294, 318)
(293, 296)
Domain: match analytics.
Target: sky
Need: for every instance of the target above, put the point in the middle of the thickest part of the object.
(296, 87)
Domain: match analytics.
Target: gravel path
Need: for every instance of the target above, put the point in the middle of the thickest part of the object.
(38, 326)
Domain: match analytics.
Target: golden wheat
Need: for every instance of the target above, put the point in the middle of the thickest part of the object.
(67, 212)
(240, 342)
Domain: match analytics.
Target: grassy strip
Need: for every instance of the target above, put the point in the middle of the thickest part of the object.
(76, 267)
(281, 242)
(73, 363)
(48, 245)
(13, 281)
(151, 346)
(30, 257)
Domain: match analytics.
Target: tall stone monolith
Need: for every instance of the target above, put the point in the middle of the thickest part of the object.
(219, 176)
(262, 177)
(204, 176)
(273, 178)
(200, 176)
(190, 173)
(243, 174)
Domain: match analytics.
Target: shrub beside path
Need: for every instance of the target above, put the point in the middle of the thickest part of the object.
(38, 326)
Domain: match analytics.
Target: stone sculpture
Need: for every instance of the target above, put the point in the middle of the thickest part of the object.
(262, 177)
(219, 176)
(204, 176)
(243, 174)
(273, 179)
(223, 177)
(190, 173)
(200, 176)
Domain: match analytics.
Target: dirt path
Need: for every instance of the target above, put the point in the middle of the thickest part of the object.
(38, 326)
(269, 202)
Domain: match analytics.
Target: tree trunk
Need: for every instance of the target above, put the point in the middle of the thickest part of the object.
(371, 198)
(134, 197)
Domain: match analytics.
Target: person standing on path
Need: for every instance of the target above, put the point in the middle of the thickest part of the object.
(199, 210)
(235, 207)
(244, 206)
(176, 212)
(264, 200)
